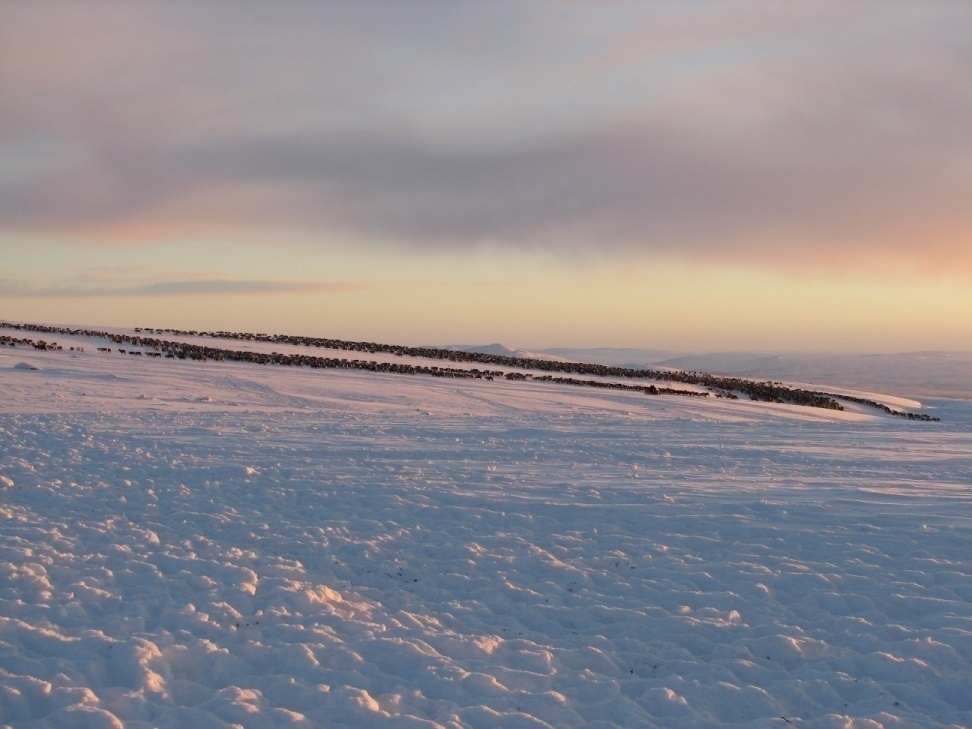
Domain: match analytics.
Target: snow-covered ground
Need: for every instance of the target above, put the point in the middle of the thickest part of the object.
(203, 544)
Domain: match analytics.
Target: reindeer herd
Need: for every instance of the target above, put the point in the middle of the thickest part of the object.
(722, 387)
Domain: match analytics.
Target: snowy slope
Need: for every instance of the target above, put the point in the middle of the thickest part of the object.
(214, 544)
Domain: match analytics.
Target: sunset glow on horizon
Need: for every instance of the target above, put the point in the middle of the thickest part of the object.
(686, 176)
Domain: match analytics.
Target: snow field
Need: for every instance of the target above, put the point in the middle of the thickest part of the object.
(204, 544)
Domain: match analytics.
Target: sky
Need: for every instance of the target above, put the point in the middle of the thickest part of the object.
(694, 176)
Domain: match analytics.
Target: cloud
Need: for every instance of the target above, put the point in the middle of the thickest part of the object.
(204, 287)
(194, 288)
(759, 135)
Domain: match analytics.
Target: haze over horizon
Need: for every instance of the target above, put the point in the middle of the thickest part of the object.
(676, 175)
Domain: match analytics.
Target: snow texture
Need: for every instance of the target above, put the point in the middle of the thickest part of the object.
(189, 544)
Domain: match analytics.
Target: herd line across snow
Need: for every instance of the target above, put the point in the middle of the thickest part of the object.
(722, 387)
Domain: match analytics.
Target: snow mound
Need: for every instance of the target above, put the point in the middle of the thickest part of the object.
(26, 366)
